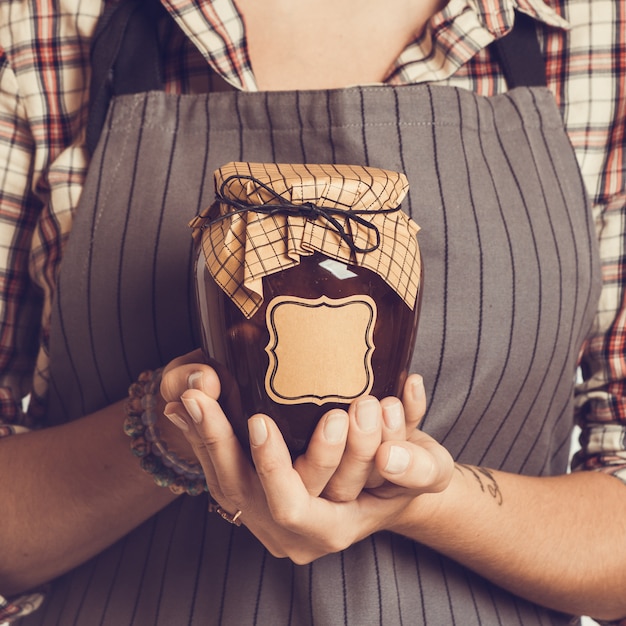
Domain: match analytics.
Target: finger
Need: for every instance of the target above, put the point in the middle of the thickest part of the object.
(414, 402)
(393, 429)
(364, 437)
(324, 452)
(400, 421)
(217, 447)
(231, 479)
(179, 416)
(314, 526)
(394, 421)
(285, 492)
(182, 374)
(425, 468)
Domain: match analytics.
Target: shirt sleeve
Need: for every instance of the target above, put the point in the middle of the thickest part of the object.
(20, 298)
(601, 395)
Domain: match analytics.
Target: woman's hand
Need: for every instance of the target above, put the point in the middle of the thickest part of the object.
(293, 508)
(385, 452)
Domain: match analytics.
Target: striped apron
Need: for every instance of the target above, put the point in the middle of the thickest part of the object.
(511, 283)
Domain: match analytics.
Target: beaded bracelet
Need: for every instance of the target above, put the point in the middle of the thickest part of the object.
(166, 468)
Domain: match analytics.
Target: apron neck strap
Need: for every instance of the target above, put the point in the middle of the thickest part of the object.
(519, 54)
(126, 58)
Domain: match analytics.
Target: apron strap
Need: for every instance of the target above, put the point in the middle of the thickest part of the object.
(126, 59)
(519, 54)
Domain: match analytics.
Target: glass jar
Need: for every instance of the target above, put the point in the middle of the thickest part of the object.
(326, 330)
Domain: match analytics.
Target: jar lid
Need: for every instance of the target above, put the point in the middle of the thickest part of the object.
(267, 216)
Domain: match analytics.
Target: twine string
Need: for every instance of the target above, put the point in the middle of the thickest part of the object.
(308, 210)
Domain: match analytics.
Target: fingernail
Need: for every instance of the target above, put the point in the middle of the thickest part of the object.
(193, 408)
(257, 430)
(417, 388)
(393, 416)
(335, 427)
(177, 420)
(398, 460)
(367, 414)
(194, 380)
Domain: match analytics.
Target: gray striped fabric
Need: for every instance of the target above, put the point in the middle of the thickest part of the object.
(509, 288)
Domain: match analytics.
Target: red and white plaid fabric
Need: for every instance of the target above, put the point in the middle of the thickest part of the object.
(44, 77)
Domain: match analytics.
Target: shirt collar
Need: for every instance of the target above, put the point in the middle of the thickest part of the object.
(461, 30)
(215, 27)
(497, 16)
(454, 36)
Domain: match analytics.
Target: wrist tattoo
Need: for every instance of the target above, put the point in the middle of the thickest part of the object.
(485, 479)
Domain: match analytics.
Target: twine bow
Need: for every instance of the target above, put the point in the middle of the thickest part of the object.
(308, 210)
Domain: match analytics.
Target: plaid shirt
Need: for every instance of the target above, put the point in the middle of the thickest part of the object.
(44, 76)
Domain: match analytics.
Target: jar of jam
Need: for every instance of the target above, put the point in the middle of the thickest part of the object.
(308, 284)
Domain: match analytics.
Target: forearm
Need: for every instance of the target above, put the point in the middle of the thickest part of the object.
(557, 541)
(69, 491)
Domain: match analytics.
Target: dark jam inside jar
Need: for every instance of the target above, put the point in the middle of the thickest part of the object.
(240, 344)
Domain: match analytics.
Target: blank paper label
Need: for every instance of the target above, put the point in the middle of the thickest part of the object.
(320, 350)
